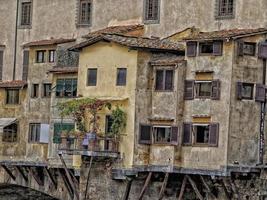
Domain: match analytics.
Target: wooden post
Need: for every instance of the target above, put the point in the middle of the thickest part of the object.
(163, 187)
(54, 182)
(22, 173)
(145, 186)
(182, 188)
(128, 188)
(8, 171)
(88, 176)
(66, 183)
(207, 187)
(35, 176)
(69, 177)
(194, 186)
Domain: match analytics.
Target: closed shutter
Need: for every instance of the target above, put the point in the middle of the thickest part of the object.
(217, 48)
(214, 134)
(44, 133)
(145, 134)
(189, 89)
(215, 90)
(240, 48)
(175, 135)
(1, 64)
(260, 93)
(262, 50)
(25, 65)
(239, 90)
(187, 131)
(191, 49)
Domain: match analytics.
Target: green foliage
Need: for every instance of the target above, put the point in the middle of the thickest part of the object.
(119, 121)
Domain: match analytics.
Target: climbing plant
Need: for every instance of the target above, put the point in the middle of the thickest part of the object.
(119, 121)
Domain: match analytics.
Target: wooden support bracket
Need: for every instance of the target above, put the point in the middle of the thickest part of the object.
(148, 178)
(88, 177)
(36, 177)
(180, 197)
(227, 193)
(163, 187)
(128, 188)
(66, 183)
(207, 187)
(24, 176)
(9, 172)
(51, 178)
(194, 186)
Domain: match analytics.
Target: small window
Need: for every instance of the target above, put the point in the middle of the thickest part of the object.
(40, 56)
(249, 49)
(58, 128)
(206, 48)
(51, 57)
(10, 133)
(245, 91)
(34, 132)
(35, 90)
(201, 134)
(225, 9)
(211, 48)
(121, 76)
(66, 88)
(203, 89)
(12, 96)
(25, 64)
(47, 90)
(92, 77)
(85, 12)
(162, 134)
(109, 122)
(151, 11)
(26, 8)
(164, 80)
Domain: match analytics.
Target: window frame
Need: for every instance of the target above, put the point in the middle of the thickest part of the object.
(43, 56)
(94, 83)
(196, 92)
(14, 134)
(252, 91)
(124, 78)
(21, 7)
(54, 56)
(218, 13)
(37, 135)
(64, 88)
(154, 128)
(146, 20)
(7, 96)
(80, 23)
(164, 80)
(45, 91)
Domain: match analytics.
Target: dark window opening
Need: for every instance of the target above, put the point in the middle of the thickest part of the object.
(10, 133)
(35, 90)
(109, 122)
(249, 49)
(203, 89)
(66, 88)
(206, 48)
(164, 80)
(162, 134)
(26, 13)
(202, 134)
(12, 96)
(152, 10)
(47, 89)
(52, 56)
(40, 56)
(121, 76)
(92, 77)
(85, 12)
(34, 132)
(247, 90)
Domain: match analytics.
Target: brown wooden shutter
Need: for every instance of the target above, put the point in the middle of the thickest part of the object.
(260, 93)
(189, 89)
(214, 134)
(215, 89)
(25, 65)
(175, 135)
(145, 134)
(187, 131)
(262, 50)
(240, 48)
(239, 90)
(217, 48)
(1, 64)
(191, 49)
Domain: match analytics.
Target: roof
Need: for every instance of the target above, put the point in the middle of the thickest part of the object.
(64, 70)
(48, 42)
(5, 122)
(133, 42)
(125, 30)
(13, 84)
(167, 61)
(226, 34)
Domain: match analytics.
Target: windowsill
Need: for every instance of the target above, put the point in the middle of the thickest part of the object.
(12, 105)
(224, 17)
(162, 144)
(199, 145)
(83, 25)
(163, 90)
(24, 26)
(148, 22)
(202, 98)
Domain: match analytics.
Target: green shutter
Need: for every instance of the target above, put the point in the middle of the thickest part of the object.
(58, 128)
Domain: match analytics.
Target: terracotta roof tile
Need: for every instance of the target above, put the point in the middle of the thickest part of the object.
(48, 42)
(64, 70)
(13, 84)
(224, 34)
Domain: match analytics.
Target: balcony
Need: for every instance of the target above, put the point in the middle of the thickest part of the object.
(100, 147)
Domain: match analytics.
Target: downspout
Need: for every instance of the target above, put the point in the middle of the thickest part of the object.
(16, 38)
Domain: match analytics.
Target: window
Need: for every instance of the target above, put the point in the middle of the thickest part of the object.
(246, 48)
(164, 80)
(12, 96)
(35, 90)
(25, 65)
(58, 128)
(34, 132)
(1, 64)
(245, 90)
(151, 11)
(201, 133)
(210, 48)
(92, 77)
(40, 56)
(203, 89)
(121, 76)
(10, 133)
(66, 88)
(262, 50)
(109, 122)
(85, 11)
(225, 9)
(26, 8)
(162, 134)
(47, 90)
(51, 57)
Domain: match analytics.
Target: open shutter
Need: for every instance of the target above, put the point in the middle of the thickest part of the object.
(44, 133)
(191, 49)
(240, 48)
(260, 93)
(175, 135)
(145, 134)
(262, 50)
(1, 65)
(25, 65)
(214, 134)
(217, 48)
(215, 89)
(239, 90)
(187, 137)
(189, 89)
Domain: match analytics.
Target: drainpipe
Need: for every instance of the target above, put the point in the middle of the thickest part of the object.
(16, 38)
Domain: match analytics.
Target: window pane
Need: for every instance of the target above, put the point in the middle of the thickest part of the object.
(159, 80)
(26, 13)
(206, 47)
(47, 90)
(203, 89)
(121, 76)
(58, 128)
(92, 77)
(247, 91)
(169, 80)
(10, 133)
(202, 134)
(85, 12)
(52, 56)
(40, 56)
(60, 88)
(12, 96)
(162, 134)
(152, 10)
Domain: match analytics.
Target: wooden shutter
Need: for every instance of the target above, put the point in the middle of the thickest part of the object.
(44, 133)
(191, 49)
(175, 135)
(215, 89)
(25, 65)
(260, 93)
(240, 48)
(187, 131)
(1, 64)
(214, 134)
(262, 50)
(239, 90)
(217, 48)
(189, 89)
(145, 134)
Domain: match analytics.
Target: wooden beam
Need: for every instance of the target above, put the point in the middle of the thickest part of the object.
(9, 172)
(163, 187)
(51, 178)
(234, 188)
(224, 185)
(69, 177)
(35, 176)
(148, 178)
(66, 183)
(22, 173)
(88, 176)
(194, 186)
(128, 188)
(207, 187)
(180, 197)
